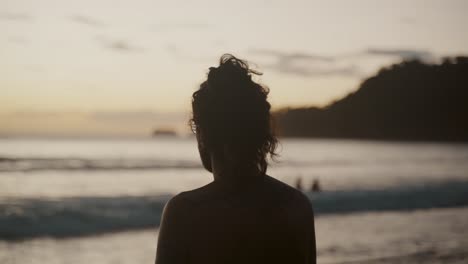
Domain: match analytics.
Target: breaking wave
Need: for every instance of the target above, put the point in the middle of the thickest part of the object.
(77, 216)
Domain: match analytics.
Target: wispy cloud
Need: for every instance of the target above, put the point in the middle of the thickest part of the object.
(122, 45)
(285, 57)
(119, 45)
(86, 20)
(182, 26)
(15, 17)
(406, 54)
(316, 71)
(304, 64)
(347, 64)
(172, 49)
(178, 52)
(136, 116)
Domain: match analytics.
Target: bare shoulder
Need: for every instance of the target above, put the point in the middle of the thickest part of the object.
(184, 199)
(277, 191)
(172, 238)
(174, 217)
(175, 208)
(288, 193)
(187, 199)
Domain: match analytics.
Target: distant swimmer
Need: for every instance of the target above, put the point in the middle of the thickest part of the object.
(244, 215)
(315, 187)
(299, 184)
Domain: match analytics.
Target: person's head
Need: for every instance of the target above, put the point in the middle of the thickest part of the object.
(231, 117)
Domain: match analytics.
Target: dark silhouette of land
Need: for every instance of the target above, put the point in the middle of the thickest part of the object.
(410, 100)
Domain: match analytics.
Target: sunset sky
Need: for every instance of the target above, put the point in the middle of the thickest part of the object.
(123, 68)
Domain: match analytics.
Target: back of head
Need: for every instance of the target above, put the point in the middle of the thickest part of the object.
(230, 113)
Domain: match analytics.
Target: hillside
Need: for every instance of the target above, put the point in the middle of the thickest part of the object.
(406, 101)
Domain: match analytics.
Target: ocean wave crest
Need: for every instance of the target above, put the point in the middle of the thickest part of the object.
(76, 164)
(77, 216)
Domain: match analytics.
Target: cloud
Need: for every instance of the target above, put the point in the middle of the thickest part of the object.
(121, 45)
(180, 53)
(86, 20)
(312, 65)
(284, 57)
(316, 71)
(172, 49)
(181, 26)
(15, 17)
(33, 114)
(118, 45)
(405, 54)
(136, 116)
(305, 64)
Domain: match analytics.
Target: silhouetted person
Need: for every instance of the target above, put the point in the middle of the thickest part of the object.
(299, 184)
(315, 187)
(244, 215)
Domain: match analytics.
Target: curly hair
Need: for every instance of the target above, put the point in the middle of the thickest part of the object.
(231, 111)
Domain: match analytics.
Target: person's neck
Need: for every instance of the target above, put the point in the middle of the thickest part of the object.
(226, 172)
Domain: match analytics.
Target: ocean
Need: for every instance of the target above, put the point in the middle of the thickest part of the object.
(100, 200)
